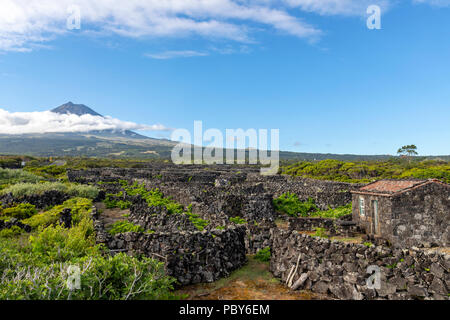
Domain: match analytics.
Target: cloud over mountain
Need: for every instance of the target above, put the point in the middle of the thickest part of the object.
(51, 122)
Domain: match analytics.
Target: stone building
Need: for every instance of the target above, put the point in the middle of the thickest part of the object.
(405, 212)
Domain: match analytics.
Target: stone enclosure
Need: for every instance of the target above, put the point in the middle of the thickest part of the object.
(218, 193)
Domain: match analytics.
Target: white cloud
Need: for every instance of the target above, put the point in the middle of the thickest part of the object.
(176, 54)
(337, 7)
(25, 23)
(50, 122)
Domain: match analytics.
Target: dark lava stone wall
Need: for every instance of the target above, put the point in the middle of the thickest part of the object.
(325, 193)
(340, 269)
(422, 217)
(41, 201)
(190, 257)
(185, 183)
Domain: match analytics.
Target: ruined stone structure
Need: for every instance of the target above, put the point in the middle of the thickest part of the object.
(406, 213)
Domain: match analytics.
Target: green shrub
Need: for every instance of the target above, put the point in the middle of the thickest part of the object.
(289, 203)
(114, 201)
(21, 211)
(263, 254)
(124, 226)
(39, 268)
(120, 277)
(48, 172)
(80, 208)
(198, 222)
(10, 232)
(56, 243)
(28, 189)
(334, 213)
(320, 232)
(82, 191)
(366, 171)
(153, 197)
(12, 176)
(237, 220)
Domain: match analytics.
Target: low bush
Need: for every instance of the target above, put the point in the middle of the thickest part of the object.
(42, 267)
(320, 232)
(116, 201)
(27, 189)
(48, 172)
(12, 176)
(80, 207)
(289, 203)
(367, 171)
(334, 213)
(198, 222)
(238, 220)
(58, 244)
(124, 226)
(21, 211)
(10, 232)
(263, 255)
(153, 197)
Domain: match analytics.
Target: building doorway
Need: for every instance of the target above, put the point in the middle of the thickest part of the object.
(375, 217)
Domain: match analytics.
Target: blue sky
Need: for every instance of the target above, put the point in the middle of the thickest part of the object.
(317, 73)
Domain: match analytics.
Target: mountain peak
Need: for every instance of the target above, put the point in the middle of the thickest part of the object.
(72, 108)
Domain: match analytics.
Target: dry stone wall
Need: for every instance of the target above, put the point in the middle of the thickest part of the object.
(340, 269)
(190, 257)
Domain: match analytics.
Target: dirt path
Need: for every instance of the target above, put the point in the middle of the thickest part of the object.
(109, 216)
(251, 282)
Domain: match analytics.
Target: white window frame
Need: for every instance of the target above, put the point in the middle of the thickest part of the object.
(362, 209)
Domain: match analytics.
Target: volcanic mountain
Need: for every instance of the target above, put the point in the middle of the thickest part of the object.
(78, 109)
(98, 143)
(115, 143)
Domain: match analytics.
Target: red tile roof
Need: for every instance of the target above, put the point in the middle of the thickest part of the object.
(390, 187)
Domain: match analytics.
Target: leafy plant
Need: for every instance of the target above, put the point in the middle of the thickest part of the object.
(116, 201)
(27, 189)
(263, 254)
(320, 232)
(367, 171)
(198, 222)
(12, 176)
(21, 211)
(80, 207)
(238, 220)
(289, 203)
(10, 232)
(124, 226)
(334, 213)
